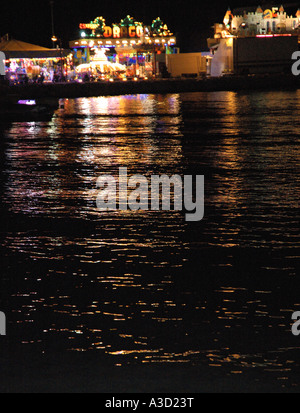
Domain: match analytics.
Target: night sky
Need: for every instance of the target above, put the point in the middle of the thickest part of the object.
(190, 20)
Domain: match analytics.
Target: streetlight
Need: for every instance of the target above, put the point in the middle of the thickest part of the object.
(52, 22)
(56, 40)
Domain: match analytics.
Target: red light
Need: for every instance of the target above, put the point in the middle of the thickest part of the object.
(274, 35)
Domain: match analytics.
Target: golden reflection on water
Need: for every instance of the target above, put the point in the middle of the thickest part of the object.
(104, 142)
(111, 282)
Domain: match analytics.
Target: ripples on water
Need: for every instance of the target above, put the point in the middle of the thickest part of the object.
(147, 287)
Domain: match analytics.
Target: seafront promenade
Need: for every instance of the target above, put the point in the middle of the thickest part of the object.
(157, 86)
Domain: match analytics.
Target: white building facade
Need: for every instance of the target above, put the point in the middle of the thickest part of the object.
(274, 20)
(255, 40)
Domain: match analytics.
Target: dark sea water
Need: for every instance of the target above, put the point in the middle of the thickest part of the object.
(93, 296)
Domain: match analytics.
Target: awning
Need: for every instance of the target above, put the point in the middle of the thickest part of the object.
(16, 49)
(10, 45)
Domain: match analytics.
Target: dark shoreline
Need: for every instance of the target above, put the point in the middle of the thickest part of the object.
(163, 86)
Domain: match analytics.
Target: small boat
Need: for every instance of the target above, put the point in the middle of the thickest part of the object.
(24, 110)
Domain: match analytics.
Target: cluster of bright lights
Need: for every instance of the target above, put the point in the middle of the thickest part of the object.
(27, 102)
(274, 35)
(128, 21)
(159, 28)
(262, 18)
(98, 28)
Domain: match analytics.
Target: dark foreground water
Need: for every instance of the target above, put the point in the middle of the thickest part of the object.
(145, 301)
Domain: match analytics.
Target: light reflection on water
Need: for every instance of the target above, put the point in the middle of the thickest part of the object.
(147, 287)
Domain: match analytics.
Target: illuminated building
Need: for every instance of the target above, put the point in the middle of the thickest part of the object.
(258, 21)
(131, 43)
(29, 59)
(254, 40)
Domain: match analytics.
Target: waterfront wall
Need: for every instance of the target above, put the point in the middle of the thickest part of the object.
(76, 90)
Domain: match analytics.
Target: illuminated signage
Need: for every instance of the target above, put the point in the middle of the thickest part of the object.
(268, 14)
(116, 32)
(127, 28)
(89, 26)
